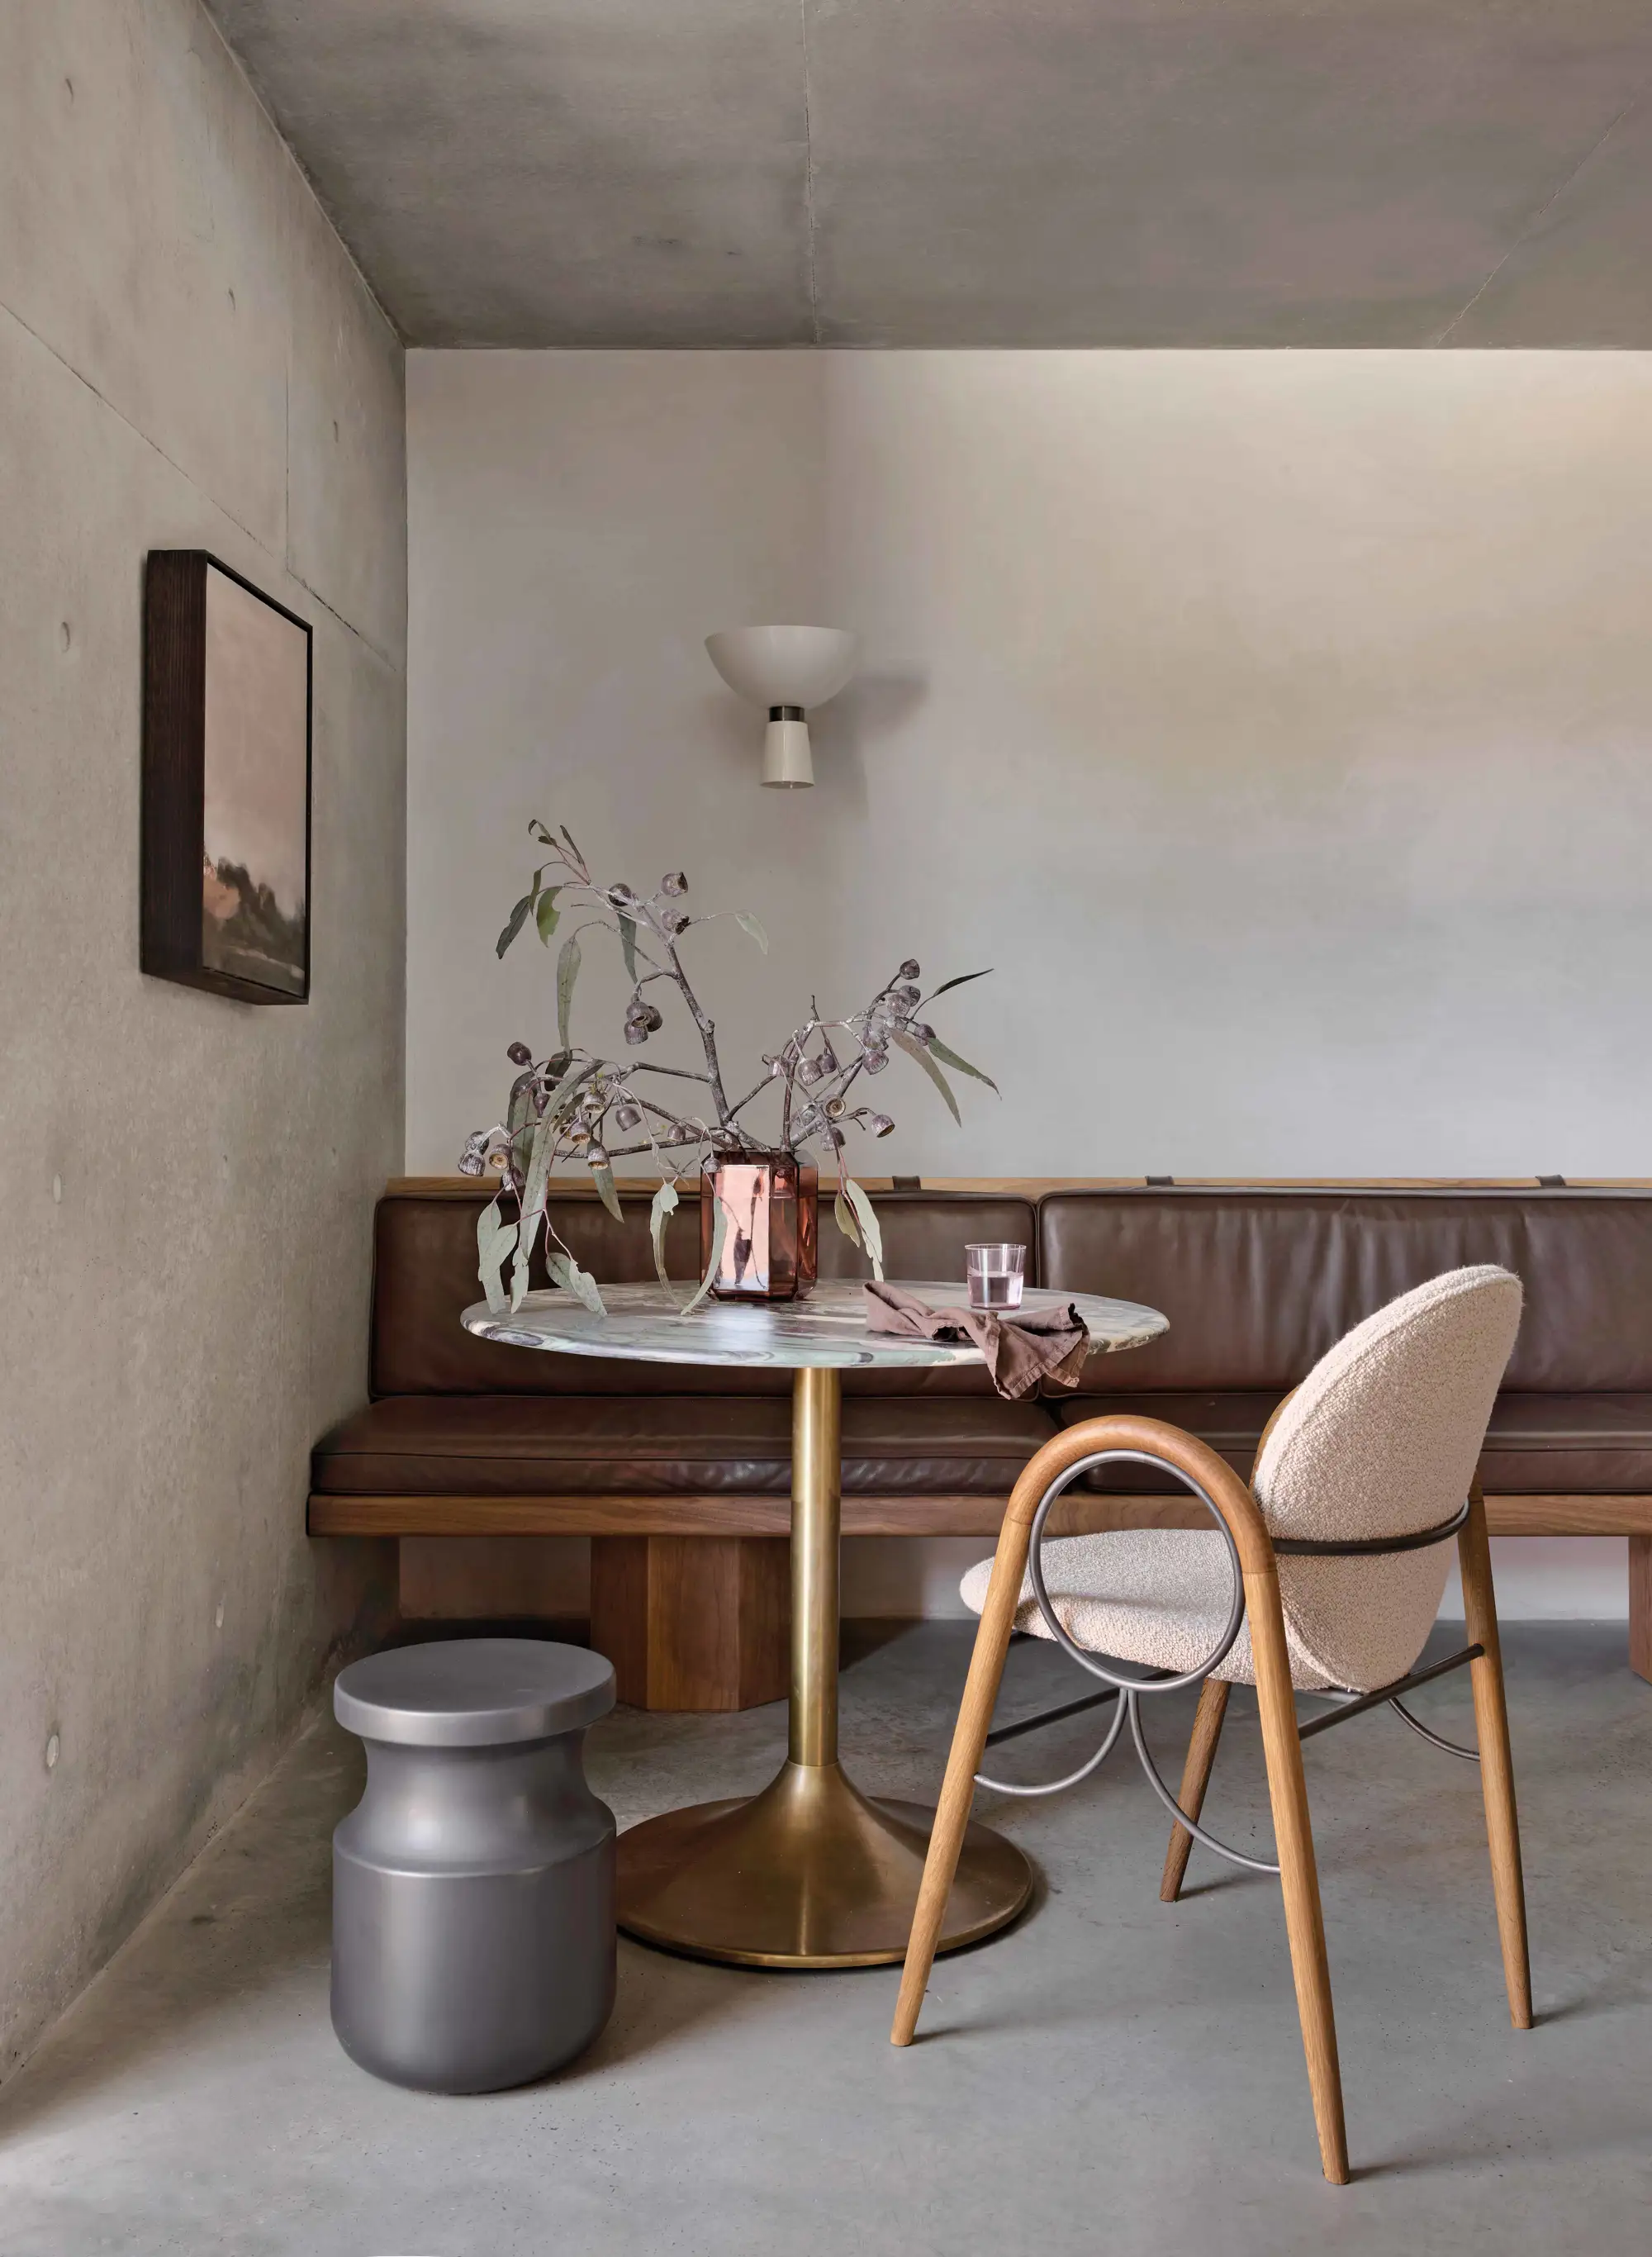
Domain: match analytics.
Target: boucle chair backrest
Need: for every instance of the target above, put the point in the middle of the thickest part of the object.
(1382, 1439)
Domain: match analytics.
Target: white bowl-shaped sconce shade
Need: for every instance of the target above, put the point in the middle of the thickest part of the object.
(787, 670)
(784, 666)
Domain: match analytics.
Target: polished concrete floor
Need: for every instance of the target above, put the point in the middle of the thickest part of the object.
(1111, 2075)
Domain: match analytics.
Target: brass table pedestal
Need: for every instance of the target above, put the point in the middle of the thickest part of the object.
(810, 1873)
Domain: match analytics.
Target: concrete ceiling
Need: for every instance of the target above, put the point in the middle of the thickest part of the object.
(1210, 173)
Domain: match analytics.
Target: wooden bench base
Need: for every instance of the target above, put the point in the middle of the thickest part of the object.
(693, 1622)
(690, 1595)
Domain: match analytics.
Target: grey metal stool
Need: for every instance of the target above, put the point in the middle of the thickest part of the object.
(473, 1884)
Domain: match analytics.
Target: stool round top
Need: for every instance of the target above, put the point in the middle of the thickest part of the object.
(473, 1692)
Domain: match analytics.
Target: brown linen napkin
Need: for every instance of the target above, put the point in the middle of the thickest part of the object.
(1020, 1348)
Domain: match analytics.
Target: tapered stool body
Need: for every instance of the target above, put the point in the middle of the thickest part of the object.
(473, 1884)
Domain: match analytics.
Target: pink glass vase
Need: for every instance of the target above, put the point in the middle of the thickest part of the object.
(771, 1204)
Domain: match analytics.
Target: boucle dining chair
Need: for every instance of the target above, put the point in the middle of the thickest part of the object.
(1324, 1576)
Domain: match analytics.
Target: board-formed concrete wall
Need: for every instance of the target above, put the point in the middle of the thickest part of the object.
(188, 358)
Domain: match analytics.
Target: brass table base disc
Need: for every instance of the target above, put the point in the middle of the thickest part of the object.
(809, 1873)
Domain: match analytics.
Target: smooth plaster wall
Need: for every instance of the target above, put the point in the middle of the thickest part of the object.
(1280, 726)
(188, 358)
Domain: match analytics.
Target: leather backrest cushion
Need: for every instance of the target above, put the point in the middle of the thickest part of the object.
(1257, 1284)
(425, 1275)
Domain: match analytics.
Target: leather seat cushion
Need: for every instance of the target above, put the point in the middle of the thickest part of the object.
(658, 1446)
(1595, 1445)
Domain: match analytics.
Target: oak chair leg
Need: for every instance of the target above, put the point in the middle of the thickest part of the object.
(1304, 1921)
(1195, 1777)
(1497, 1770)
(958, 1791)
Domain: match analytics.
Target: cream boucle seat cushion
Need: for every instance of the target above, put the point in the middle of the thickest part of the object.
(1381, 1439)
(1158, 1597)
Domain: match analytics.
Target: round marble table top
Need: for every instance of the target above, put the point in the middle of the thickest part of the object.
(826, 1331)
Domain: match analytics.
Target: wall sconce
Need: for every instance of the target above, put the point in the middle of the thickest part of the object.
(788, 670)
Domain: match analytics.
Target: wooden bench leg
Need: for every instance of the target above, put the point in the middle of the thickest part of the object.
(1641, 1606)
(693, 1622)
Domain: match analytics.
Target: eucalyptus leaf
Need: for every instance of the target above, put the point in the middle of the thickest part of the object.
(604, 1179)
(566, 973)
(666, 1203)
(529, 1234)
(576, 1281)
(915, 1049)
(870, 1231)
(578, 857)
(843, 1216)
(539, 1167)
(495, 1238)
(537, 830)
(937, 1049)
(513, 924)
(520, 1111)
(628, 946)
(747, 923)
(963, 980)
(719, 1239)
(545, 913)
(531, 1208)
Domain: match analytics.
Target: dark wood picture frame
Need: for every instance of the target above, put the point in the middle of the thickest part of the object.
(175, 656)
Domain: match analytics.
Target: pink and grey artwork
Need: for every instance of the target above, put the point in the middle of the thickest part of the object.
(254, 873)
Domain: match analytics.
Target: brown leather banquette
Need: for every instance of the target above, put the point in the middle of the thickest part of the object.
(464, 1437)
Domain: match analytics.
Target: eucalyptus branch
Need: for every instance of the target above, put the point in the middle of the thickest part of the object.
(562, 1107)
(708, 1035)
(679, 1072)
(752, 1095)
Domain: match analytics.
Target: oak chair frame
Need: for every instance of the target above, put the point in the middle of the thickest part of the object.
(1251, 1547)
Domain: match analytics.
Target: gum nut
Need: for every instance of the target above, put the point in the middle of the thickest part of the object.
(635, 1032)
(469, 1164)
(910, 969)
(880, 1123)
(596, 1157)
(497, 1160)
(920, 1033)
(674, 883)
(655, 1020)
(519, 1054)
(908, 997)
(627, 1116)
(620, 896)
(874, 1060)
(835, 1108)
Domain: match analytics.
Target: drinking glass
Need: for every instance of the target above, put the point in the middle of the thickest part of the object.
(997, 1274)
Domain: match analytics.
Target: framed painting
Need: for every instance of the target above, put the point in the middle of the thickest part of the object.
(226, 849)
